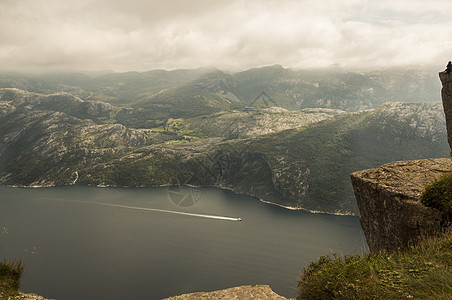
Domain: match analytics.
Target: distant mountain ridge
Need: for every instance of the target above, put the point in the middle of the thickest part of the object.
(159, 95)
(62, 102)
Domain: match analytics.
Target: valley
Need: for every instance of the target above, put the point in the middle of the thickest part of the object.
(286, 137)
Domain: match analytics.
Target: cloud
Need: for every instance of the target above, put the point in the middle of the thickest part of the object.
(141, 35)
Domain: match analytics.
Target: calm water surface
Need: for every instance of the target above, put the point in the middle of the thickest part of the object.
(104, 243)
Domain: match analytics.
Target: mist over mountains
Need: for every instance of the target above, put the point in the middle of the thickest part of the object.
(285, 136)
(291, 89)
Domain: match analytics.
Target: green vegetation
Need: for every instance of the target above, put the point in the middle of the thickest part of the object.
(186, 123)
(10, 273)
(439, 195)
(138, 169)
(305, 166)
(315, 162)
(421, 272)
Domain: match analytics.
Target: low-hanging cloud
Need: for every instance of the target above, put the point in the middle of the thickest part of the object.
(141, 35)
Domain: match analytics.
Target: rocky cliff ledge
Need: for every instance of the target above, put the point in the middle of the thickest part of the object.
(446, 95)
(261, 292)
(388, 198)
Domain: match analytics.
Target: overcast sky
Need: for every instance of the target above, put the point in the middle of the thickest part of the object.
(125, 35)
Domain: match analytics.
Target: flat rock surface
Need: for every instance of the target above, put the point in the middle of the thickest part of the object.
(261, 292)
(407, 177)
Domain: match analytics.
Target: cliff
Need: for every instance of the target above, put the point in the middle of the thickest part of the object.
(388, 198)
(446, 95)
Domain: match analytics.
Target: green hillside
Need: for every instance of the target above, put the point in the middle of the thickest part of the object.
(311, 167)
(299, 159)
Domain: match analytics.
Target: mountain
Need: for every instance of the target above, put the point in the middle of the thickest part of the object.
(338, 89)
(44, 138)
(299, 159)
(115, 88)
(309, 167)
(61, 102)
(209, 94)
(252, 122)
(276, 86)
(188, 93)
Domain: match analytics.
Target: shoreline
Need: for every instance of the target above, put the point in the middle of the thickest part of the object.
(191, 186)
(287, 207)
(310, 211)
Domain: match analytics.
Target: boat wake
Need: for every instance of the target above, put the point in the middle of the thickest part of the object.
(214, 217)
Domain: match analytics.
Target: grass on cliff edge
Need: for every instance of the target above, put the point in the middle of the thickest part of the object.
(10, 273)
(439, 195)
(421, 272)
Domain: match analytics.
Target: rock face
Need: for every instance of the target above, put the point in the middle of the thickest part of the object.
(446, 95)
(262, 292)
(388, 198)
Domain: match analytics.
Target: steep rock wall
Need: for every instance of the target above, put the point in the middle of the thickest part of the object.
(388, 198)
(446, 95)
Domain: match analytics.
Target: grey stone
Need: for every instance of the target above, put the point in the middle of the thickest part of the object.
(446, 95)
(261, 292)
(388, 198)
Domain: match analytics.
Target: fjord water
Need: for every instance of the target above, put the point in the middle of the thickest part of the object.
(110, 243)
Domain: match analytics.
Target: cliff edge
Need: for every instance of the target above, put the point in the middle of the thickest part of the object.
(388, 198)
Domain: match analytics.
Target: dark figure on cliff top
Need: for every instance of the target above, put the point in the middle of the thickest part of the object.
(449, 67)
